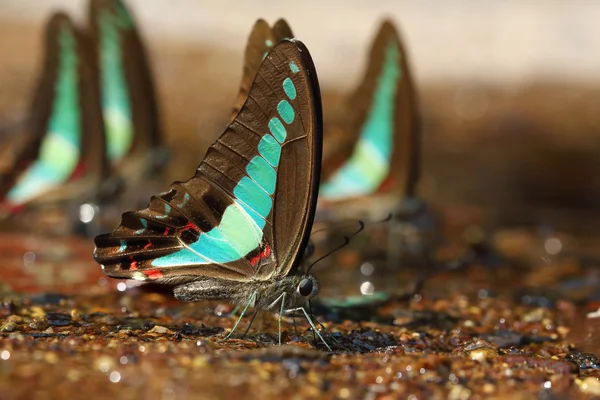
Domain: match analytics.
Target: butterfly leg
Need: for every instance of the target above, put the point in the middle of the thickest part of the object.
(330, 334)
(281, 316)
(250, 323)
(251, 301)
(311, 324)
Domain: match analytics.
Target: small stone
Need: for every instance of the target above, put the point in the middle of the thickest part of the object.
(110, 320)
(482, 354)
(535, 316)
(200, 361)
(563, 331)
(58, 319)
(39, 324)
(37, 311)
(459, 392)
(488, 388)
(159, 329)
(15, 318)
(9, 326)
(51, 358)
(590, 385)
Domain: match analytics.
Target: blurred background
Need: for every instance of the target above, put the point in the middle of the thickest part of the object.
(510, 90)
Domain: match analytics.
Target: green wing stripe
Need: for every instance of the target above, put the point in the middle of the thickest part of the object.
(61, 148)
(116, 104)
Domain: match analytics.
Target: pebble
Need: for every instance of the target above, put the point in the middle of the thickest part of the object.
(590, 385)
(9, 326)
(38, 324)
(159, 329)
(483, 354)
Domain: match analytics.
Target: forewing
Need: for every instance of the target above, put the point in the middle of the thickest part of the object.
(126, 85)
(64, 138)
(381, 143)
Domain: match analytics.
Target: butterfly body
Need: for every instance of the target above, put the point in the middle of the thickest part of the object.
(269, 293)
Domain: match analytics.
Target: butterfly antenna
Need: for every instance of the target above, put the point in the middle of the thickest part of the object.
(341, 246)
(350, 225)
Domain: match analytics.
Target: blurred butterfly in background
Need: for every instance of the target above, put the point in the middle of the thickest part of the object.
(238, 229)
(93, 127)
(129, 108)
(58, 161)
(371, 167)
(375, 149)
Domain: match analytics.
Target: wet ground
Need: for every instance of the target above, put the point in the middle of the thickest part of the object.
(505, 324)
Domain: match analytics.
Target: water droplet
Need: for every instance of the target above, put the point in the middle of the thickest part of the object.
(367, 269)
(5, 355)
(367, 288)
(29, 257)
(115, 377)
(123, 360)
(553, 246)
(86, 213)
(121, 286)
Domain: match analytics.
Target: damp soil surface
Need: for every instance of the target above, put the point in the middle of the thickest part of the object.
(500, 326)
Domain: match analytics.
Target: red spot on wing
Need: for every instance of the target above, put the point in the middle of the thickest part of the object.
(148, 245)
(166, 232)
(79, 171)
(386, 185)
(263, 254)
(266, 252)
(12, 208)
(191, 226)
(133, 266)
(153, 274)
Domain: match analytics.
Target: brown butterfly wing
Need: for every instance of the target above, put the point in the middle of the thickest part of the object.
(138, 80)
(92, 167)
(340, 144)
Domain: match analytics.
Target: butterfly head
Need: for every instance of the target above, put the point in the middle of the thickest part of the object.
(308, 287)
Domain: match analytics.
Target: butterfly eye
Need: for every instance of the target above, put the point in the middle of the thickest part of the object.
(305, 287)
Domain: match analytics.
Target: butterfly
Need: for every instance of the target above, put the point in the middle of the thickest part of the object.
(119, 133)
(128, 100)
(238, 229)
(59, 158)
(375, 150)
